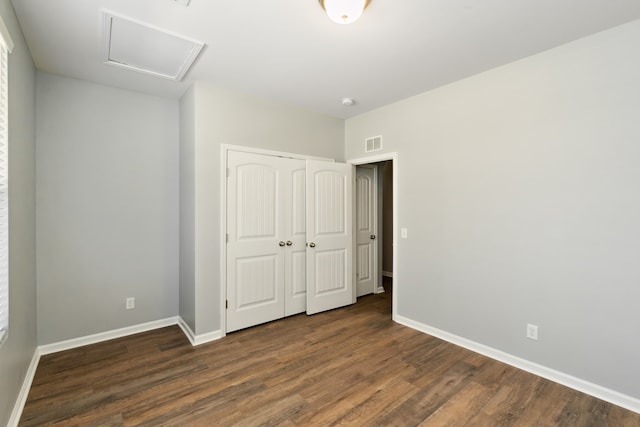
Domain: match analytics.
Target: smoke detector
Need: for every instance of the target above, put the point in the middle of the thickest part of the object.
(348, 102)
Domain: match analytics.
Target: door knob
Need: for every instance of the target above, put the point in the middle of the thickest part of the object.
(312, 245)
(372, 237)
(289, 243)
(281, 243)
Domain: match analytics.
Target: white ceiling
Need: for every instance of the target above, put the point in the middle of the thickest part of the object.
(289, 50)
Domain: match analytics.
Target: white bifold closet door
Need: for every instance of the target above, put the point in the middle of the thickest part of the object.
(329, 236)
(266, 239)
(268, 259)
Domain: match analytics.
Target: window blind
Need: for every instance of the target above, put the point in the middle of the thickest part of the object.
(5, 47)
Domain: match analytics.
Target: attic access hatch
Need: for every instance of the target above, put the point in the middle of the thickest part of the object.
(141, 47)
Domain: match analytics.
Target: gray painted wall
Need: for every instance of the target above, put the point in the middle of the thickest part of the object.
(226, 117)
(520, 191)
(17, 351)
(107, 208)
(187, 209)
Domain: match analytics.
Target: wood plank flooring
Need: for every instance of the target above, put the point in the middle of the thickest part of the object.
(351, 366)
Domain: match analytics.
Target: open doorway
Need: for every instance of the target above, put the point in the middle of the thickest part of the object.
(385, 208)
(375, 225)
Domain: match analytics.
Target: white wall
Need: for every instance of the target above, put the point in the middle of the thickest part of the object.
(107, 208)
(520, 191)
(17, 351)
(226, 117)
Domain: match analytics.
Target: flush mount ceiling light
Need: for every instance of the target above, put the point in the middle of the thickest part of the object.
(141, 47)
(344, 11)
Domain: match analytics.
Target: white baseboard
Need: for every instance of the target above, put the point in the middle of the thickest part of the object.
(387, 273)
(14, 419)
(130, 330)
(581, 385)
(105, 336)
(198, 339)
(379, 290)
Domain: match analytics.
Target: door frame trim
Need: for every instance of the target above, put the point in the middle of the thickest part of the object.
(224, 149)
(393, 156)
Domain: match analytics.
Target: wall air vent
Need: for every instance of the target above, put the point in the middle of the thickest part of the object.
(141, 47)
(373, 144)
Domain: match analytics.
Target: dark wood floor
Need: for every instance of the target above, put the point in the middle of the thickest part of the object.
(349, 366)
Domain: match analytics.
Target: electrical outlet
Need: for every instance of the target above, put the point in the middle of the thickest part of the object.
(131, 303)
(532, 332)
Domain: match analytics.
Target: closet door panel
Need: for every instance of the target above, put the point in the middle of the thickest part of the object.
(330, 236)
(255, 228)
(295, 258)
